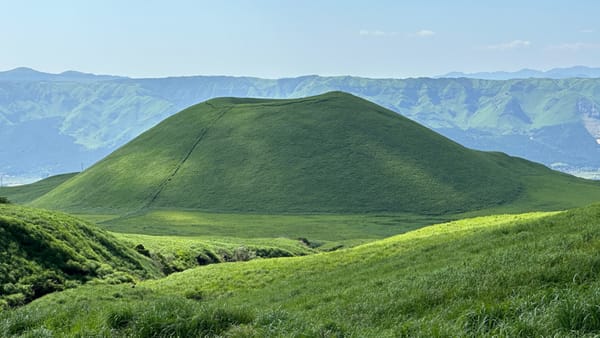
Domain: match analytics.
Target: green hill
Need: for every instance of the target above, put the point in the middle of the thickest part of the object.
(329, 153)
(528, 275)
(552, 121)
(28, 192)
(42, 251)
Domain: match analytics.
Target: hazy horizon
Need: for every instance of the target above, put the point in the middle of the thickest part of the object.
(491, 71)
(272, 39)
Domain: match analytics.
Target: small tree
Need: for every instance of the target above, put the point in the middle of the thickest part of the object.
(4, 200)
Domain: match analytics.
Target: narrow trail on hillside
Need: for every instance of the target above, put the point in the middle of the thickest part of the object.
(199, 139)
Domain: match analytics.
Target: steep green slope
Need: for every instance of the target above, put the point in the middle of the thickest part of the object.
(513, 275)
(328, 153)
(42, 251)
(28, 192)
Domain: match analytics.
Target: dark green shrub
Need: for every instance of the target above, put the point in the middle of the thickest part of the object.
(142, 250)
(4, 200)
(207, 257)
(272, 253)
(44, 283)
(308, 243)
(15, 299)
(304, 241)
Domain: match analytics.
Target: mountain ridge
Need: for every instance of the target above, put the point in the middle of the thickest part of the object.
(30, 74)
(547, 120)
(525, 73)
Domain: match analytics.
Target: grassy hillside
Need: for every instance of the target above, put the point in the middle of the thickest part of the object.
(42, 251)
(28, 192)
(513, 275)
(329, 153)
(545, 120)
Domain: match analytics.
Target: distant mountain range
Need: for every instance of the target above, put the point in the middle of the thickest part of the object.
(55, 123)
(28, 74)
(555, 73)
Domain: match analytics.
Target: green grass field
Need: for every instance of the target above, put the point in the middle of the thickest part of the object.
(506, 275)
(322, 227)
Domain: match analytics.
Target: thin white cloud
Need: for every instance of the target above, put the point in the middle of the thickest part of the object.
(423, 33)
(376, 32)
(574, 46)
(514, 44)
(586, 31)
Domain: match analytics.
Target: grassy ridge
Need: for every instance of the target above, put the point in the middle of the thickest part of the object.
(332, 153)
(42, 251)
(28, 192)
(514, 275)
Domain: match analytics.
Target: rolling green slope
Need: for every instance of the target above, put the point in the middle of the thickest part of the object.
(329, 153)
(42, 251)
(28, 192)
(527, 275)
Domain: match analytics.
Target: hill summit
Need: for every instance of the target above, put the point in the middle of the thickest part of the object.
(328, 153)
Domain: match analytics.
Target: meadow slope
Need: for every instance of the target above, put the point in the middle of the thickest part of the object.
(523, 275)
(42, 252)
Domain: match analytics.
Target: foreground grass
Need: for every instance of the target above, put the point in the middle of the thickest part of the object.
(43, 251)
(514, 275)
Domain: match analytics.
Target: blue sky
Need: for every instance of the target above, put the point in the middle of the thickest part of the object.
(291, 38)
